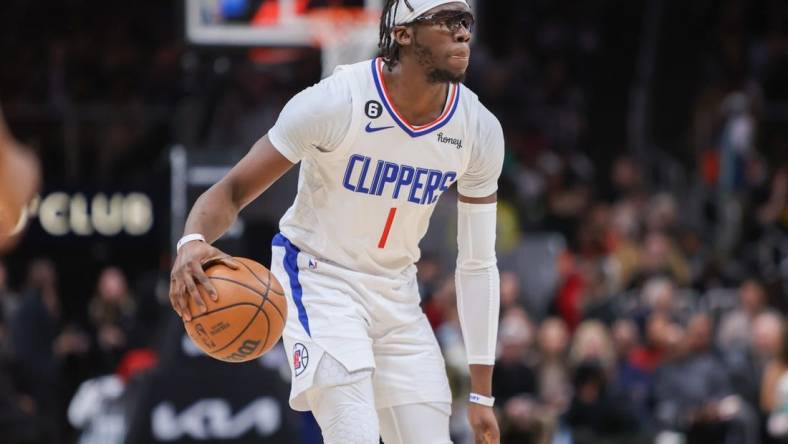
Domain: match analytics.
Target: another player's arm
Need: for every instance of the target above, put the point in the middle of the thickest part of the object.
(213, 213)
(20, 176)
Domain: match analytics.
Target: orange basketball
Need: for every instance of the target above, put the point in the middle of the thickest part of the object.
(247, 319)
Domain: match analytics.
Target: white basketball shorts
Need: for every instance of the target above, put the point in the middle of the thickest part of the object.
(364, 322)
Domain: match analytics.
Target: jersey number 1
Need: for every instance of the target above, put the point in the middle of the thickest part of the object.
(385, 236)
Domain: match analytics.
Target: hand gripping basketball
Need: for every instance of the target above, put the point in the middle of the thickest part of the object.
(188, 274)
(248, 318)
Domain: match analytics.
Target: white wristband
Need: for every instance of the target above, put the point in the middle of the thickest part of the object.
(189, 238)
(476, 398)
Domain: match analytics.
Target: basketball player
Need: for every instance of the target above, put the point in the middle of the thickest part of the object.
(19, 179)
(378, 143)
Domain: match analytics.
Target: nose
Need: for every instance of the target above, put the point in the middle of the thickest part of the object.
(462, 35)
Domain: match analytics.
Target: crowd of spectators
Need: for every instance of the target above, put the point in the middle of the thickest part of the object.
(643, 293)
(46, 355)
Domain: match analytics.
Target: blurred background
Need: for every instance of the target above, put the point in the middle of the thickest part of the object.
(643, 216)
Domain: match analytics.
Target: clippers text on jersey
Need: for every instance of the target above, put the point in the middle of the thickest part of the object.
(421, 186)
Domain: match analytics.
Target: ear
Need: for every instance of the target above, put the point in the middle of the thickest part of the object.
(403, 35)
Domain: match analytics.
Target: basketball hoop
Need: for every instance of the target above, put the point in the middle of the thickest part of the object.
(344, 35)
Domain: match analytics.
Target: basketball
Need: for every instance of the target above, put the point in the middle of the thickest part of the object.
(248, 318)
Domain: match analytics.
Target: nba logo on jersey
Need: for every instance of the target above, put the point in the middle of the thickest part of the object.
(312, 264)
(300, 358)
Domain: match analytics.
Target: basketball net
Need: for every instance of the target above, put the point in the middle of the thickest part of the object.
(345, 35)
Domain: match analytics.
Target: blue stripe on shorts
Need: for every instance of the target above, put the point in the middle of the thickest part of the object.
(291, 267)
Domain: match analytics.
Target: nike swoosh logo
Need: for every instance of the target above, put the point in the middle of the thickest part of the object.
(370, 129)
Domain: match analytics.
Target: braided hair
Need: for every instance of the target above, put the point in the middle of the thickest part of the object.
(389, 48)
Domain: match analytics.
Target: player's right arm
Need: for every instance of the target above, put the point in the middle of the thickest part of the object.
(315, 120)
(212, 215)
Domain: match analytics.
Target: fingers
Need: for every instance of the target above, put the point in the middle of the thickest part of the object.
(202, 279)
(230, 262)
(485, 427)
(486, 438)
(189, 275)
(183, 304)
(227, 261)
(493, 436)
(194, 293)
(180, 303)
(173, 296)
(184, 287)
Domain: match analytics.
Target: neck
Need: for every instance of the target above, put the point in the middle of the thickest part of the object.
(418, 100)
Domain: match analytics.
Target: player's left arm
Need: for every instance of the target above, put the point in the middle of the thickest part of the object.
(478, 306)
(477, 278)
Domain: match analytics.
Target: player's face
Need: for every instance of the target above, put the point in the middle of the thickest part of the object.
(441, 41)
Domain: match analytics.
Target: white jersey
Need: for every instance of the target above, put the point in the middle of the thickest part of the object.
(369, 180)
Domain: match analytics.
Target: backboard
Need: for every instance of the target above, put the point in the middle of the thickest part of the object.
(346, 31)
(268, 23)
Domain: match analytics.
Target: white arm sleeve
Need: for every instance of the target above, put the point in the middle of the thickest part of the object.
(477, 281)
(314, 120)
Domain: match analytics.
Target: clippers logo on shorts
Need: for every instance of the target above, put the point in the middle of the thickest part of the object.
(300, 358)
(422, 186)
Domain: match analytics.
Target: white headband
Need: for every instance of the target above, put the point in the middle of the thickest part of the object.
(405, 15)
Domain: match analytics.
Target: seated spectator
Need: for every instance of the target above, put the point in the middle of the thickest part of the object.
(659, 256)
(429, 273)
(774, 391)
(571, 288)
(736, 326)
(19, 419)
(524, 419)
(748, 340)
(694, 397)
(661, 332)
(101, 405)
(598, 301)
(20, 422)
(9, 300)
(598, 413)
(592, 342)
(629, 379)
(510, 291)
(513, 375)
(553, 369)
(659, 296)
(42, 342)
(767, 336)
(112, 312)
(622, 238)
